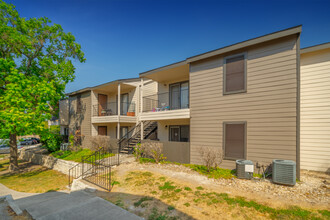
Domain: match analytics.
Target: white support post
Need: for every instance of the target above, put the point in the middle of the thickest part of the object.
(141, 96)
(118, 113)
(141, 109)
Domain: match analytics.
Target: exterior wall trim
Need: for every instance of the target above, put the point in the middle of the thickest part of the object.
(298, 109)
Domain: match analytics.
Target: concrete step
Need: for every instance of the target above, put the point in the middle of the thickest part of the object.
(94, 208)
(57, 204)
(31, 201)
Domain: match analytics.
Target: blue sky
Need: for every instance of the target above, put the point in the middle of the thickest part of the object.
(122, 38)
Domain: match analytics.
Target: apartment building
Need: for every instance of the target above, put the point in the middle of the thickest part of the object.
(243, 99)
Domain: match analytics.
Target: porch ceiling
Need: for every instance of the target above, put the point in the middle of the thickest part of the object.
(177, 73)
(113, 88)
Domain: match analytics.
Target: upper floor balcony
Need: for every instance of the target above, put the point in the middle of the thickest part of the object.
(167, 105)
(108, 112)
(111, 109)
(115, 101)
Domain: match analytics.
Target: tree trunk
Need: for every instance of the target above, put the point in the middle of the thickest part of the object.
(13, 165)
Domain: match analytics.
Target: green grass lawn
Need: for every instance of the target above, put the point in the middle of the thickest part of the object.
(36, 180)
(76, 155)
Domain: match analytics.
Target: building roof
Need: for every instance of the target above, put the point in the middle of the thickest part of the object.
(250, 42)
(253, 41)
(226, 49)
(86, 89)
(315, 48)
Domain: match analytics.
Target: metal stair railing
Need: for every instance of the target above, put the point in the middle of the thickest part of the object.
(96, 168)
(135, 133)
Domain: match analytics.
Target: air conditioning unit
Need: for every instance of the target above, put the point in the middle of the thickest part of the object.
(244, 169)
(284, 172)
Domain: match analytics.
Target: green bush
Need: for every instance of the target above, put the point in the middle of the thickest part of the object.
(51, 138)
(215, 173)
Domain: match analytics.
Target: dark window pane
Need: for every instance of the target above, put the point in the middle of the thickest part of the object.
(175, 96)
(174, 133)
(235, 77)
(234, 140)
(185, 95)
(184, 133)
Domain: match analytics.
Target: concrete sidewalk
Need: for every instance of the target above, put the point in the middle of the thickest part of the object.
(16, 195)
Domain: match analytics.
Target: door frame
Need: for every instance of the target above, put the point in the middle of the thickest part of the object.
(121, 102)
(98, 102)
(169, 94)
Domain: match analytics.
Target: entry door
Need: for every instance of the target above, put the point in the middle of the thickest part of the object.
(102, 100)
(175, 96)
(102, 130)
(175, 133)
(124, 104)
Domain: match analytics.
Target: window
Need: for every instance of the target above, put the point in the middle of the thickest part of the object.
(234, 74)
(79, 104)
(66, 131)
(179, 95)
(102, 130)
(179, 133)
(234, 140)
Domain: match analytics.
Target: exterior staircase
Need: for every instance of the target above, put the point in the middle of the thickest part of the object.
(133, 137)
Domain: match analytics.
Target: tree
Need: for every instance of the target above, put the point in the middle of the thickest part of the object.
(36, 63)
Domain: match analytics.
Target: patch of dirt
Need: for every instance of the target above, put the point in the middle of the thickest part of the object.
(311, 193)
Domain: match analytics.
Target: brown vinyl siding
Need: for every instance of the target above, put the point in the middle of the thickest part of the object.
(315, 111)
(268, 105)
(82, 119)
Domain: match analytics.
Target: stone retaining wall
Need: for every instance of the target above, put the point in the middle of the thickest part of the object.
(62, 166)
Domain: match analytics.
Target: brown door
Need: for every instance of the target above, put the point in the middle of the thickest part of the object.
(102, 99)
(102, 130)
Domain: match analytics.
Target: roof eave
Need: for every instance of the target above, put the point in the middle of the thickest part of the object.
(315, 48)
(247, 43)
(170, 66)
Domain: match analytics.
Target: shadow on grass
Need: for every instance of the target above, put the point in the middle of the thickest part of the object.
(24, 170)
(147, 207)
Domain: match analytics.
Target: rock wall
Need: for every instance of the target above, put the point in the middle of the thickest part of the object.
(62, 166)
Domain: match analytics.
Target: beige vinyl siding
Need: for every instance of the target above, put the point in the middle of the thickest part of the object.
(84, 119)
(64, 112)
(268, 106)
(315, 111)
(150, 88)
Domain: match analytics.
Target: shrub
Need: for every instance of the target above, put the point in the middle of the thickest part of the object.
(51, 138)
(153, 150)
(138, 151)
(100, 141)
(76, 140)
(211, 157)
